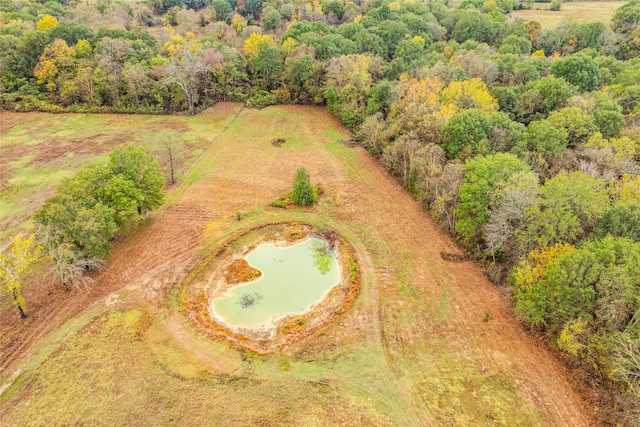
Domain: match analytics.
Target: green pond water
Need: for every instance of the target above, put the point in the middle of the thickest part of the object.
(293, 278)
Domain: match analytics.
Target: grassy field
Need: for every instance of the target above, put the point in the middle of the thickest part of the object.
(38, 151)
(584, 11)
(414, 350)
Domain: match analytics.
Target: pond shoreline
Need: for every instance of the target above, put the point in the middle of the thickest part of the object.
(224, 289)
(207, 281)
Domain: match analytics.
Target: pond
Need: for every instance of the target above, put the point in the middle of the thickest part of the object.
(293, 278)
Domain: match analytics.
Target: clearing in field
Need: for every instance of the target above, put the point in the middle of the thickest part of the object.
(584, 11)
(412, 349)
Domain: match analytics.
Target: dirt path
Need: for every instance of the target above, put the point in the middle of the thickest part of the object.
(417, 311)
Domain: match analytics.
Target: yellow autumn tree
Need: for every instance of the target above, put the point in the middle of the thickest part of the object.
(252, 44)
(626, 189)
(83, 49)
(14, 267)
(316, 7)
(288, 45)
(56, 62)
(174, 45)
(238, 23)
(394, 5)
(574, 338)
(413, 91)
(46, 23)
(472, 93)
(533, 272)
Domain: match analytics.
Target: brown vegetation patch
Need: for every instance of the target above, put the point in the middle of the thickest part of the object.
(448, 256)
(204, 284)
(295, 232)
(277, 142)
(240, 271)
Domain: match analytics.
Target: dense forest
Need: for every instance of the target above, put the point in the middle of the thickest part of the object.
(523, 143)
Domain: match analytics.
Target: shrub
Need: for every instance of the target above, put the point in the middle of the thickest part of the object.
(303, 193)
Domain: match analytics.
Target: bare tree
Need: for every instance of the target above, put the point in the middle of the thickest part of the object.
(626, 360)
(401, 156)
(70, 266)
(509, 213)
(373, 135)
(171, 153)
(444, 195)
(138, 83)
(185, 69)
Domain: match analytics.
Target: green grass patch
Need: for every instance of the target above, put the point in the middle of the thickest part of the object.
(122, 366)
(24, 161)
(36, 177)
(457, 393)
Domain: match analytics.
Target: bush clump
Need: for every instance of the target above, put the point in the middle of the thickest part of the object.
(303, 194)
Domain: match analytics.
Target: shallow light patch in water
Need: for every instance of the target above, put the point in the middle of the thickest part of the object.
(293, 278)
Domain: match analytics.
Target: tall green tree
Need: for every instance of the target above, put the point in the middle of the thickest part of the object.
(579, 70)
(476, 132)
(569, 207)
(622, 220)
(579, 125)
(138, 167)
(542, 138)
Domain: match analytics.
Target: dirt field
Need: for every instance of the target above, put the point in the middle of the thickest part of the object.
(584, 11)
(414, 350)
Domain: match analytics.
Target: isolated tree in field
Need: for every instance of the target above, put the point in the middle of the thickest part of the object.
(86, 224)
(77, 225)
(303, 193)
(172, 154)
(14, 267)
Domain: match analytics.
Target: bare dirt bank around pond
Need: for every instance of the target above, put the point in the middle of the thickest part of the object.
(217, 273)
